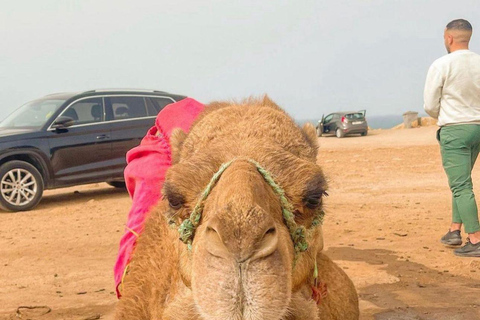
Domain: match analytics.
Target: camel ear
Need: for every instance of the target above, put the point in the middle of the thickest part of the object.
(311, 136)
(176, 142)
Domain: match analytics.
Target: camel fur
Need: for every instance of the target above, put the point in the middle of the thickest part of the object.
(242, 264)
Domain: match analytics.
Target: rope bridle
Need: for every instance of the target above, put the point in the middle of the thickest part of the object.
(298, 233)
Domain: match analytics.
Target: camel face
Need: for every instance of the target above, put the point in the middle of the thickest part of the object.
(242, 258)
(242, 263)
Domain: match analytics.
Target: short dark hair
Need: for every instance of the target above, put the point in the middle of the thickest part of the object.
(459, 24)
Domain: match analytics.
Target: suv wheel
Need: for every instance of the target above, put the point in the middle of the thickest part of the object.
(21, 186)
(319, 132)
(320, 129)
(339, 133)
(363, 134)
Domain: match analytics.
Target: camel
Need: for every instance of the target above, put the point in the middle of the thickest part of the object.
(237, 235)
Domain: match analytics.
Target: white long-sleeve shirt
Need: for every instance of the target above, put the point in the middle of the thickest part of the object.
(452, 88)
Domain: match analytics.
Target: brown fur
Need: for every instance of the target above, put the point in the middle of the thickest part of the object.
(241, 264)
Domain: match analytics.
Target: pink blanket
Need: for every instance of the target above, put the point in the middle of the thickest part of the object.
(145, 174)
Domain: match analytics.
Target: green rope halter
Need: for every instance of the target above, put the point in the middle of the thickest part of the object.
(297, 233)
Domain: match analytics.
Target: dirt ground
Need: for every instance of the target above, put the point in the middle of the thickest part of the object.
(388, 206)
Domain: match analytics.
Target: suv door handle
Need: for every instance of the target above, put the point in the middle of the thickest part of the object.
(103, 137)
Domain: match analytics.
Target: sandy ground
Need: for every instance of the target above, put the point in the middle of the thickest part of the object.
(388, 206)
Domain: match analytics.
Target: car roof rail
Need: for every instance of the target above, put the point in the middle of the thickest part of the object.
(125, 89)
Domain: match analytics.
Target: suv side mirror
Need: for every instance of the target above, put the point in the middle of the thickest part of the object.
(63, 122)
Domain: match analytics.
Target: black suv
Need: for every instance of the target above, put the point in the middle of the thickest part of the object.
(68, 139)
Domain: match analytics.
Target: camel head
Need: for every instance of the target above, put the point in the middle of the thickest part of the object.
(247, 195)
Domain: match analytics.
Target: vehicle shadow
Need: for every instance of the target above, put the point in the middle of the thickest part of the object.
(370, 133)
(420, 292)
(346, 137)
(66, 197)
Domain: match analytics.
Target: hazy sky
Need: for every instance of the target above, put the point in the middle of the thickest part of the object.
(311, 57)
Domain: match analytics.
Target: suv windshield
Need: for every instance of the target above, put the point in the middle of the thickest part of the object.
(33, 114)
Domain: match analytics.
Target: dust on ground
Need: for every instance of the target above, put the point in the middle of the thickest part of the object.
(388, 206)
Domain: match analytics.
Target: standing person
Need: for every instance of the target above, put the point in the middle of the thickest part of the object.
(452, 95)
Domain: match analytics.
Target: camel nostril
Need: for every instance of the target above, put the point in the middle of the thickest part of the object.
(267, 245)
(214, 243)
(211, 230)
(213, 235)
(270, 231)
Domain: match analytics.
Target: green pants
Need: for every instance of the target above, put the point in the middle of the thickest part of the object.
(459, 146)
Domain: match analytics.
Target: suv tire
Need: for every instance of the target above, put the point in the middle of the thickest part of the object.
(339, 133)
(320, 129)
(21, 186)
(319, 132)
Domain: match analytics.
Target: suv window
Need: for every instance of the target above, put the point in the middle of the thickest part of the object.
(85, 111)
(152, 111)
(126, 107)
(160, 103)
(33, 114)
(354, 116)
(328, 118)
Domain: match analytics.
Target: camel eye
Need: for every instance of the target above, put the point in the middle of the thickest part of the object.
(175, 205)
(314, 200)
(175, 200)
(314, 191)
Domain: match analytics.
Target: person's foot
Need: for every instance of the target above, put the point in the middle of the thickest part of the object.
(452, 238)
(468, 250)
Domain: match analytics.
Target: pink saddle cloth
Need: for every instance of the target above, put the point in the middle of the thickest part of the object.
(145, 174)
